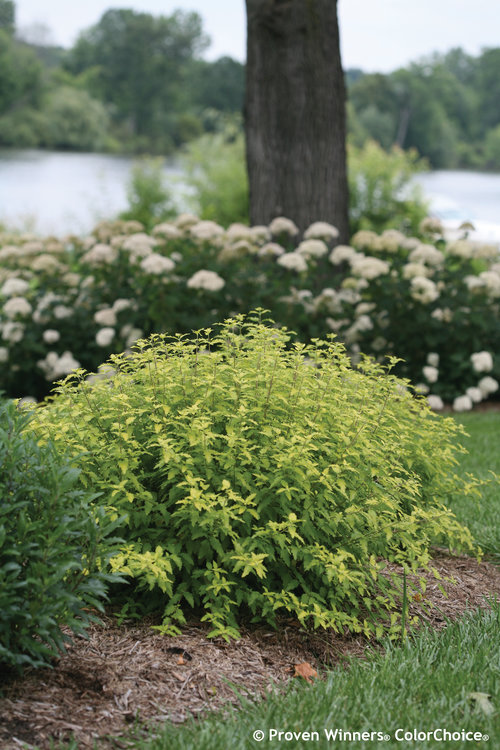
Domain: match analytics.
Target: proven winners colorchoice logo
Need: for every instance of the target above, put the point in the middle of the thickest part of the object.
(342, 735)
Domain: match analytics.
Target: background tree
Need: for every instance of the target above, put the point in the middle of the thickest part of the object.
(7, 16)
(140, 61)
(295, 113)
(218, 85)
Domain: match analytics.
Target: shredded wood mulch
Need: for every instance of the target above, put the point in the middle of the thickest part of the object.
(130, 676)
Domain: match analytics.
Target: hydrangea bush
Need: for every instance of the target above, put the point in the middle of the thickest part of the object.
(258, 476)
(72, 302)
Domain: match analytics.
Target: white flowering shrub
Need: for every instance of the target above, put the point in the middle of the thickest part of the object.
(72, 302)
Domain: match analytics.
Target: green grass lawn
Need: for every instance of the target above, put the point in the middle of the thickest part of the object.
(483, 444)
(423, 685)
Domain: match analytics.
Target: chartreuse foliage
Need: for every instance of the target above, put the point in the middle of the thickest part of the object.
(52, 542)
(260, 476)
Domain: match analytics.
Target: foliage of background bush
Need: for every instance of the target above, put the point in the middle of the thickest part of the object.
(260, 476)
(381, 195)
(51, 541)
(216, 173)
(150, 200)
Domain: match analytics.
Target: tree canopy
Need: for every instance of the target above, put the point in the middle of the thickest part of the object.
(445, 106)
(132, 82)
(144, 81)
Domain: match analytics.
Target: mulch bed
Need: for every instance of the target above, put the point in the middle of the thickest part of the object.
(129, 674)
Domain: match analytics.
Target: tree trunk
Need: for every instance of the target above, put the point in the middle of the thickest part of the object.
(295, 113)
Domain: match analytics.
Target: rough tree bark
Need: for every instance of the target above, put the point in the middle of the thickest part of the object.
(295, 113)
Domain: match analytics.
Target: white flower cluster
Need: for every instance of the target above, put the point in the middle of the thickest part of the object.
(491, 282)
(482, 361)
(167, 231)
(342, 253)
(271, 249)
(365, 239)
(329, 300)
(368, 267)
(487, 386)
(12, 331)
(431, 373)
(105, 336)
(138, 245)
(123, 304)
(47, 264)
(282, 225)
(462, 403)
(9, 252)
(390, 240)
(105, 317)
(260, 233)
(426, 254)
(312, 248)
(72, 279)
(361, 324)
(208, 280)
(236, 250)
(474, 395)
(130, 335)
(206, 231)
(293, 262)
(435, 402)
(55, 366)
(444, 315)
(17, 306)
(411, 270)
(157, 264)
(301, 297)
(186, 220)
(431, 225)
(364, 308)
(461, 249)
(51, 336)
(62, 311)
(100, 255)
(321, 230)
(13, 287)
(423, 290)
(238, 231)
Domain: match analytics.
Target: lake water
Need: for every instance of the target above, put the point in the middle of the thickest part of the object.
(476, 194)
(60, 193)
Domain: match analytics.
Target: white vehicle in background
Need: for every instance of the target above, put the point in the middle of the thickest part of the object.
(458, 222)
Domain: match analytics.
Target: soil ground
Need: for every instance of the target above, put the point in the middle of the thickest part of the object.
(130, 676)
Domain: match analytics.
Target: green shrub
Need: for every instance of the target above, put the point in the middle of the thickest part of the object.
(51, 542)
(216, 173)
(149, 199)
(260, 476)
(75, 120)
(381, 195)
